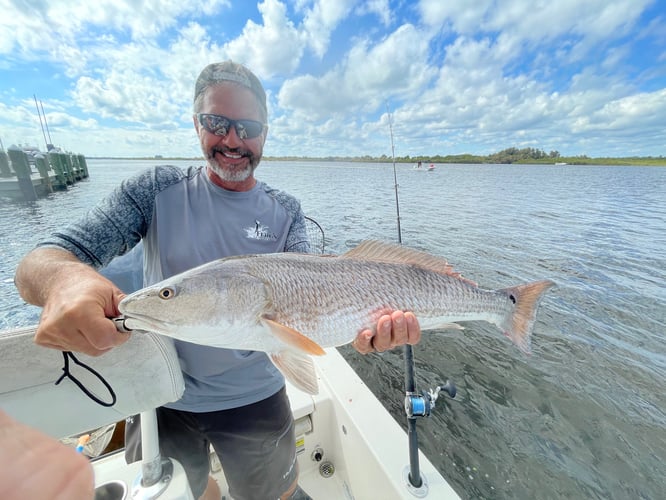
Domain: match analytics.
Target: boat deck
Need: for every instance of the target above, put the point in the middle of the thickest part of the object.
(348, 446)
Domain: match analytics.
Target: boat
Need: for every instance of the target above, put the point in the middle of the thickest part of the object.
(421, 168)
(31, 153)
(26, 173)
(348, 445)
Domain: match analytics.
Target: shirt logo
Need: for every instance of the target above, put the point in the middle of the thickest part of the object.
(260, 232)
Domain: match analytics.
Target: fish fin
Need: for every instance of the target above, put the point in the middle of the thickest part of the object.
(293, 338)
(518, 327)
(397, 254)
(298, 369)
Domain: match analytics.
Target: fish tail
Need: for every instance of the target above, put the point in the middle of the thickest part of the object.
(518, 326)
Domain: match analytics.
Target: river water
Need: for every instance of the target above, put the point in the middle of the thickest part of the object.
(584, 415)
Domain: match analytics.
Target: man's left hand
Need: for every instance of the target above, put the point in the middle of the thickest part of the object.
(393, 330)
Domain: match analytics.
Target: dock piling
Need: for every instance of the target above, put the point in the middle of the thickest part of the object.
(23, 172)
(5, 171)
(54, 171)
(43, 168)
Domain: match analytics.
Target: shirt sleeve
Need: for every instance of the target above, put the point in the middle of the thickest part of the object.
(118, 222)
(297, 237)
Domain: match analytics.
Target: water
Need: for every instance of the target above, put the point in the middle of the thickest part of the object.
(583, 416)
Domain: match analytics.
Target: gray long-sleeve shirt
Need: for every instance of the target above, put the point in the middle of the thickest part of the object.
(185, 220)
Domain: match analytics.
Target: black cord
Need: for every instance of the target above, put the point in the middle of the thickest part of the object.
(66, 373)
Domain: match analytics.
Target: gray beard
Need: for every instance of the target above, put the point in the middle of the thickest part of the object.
(233, 175)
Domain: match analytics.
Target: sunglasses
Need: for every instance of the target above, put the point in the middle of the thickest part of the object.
(219, 125)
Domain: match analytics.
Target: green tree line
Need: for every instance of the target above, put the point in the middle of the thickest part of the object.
(506, 156)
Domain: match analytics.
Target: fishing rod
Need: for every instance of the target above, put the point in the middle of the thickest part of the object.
(416, 405)
(395, 175)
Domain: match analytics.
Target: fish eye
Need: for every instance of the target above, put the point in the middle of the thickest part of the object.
(166, 293)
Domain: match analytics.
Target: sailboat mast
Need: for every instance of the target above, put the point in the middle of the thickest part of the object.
(48, 132)
(40, 121)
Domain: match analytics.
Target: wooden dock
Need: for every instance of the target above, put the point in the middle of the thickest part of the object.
(52, 171)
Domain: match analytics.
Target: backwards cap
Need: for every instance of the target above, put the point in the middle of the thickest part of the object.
(229, 71)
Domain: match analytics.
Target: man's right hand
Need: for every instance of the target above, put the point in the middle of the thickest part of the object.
(77, 302)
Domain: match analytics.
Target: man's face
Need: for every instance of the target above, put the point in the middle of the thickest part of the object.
(231, 159)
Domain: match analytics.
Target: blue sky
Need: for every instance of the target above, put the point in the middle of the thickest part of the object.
(115, 77)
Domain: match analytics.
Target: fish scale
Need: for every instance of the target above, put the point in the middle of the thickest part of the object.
(356, 290)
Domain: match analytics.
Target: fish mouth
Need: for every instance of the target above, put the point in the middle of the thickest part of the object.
(135, 321)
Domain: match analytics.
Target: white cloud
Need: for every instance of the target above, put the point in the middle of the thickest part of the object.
(141, 82)
(369, 75)
(621, 114)
(380, 8)
(45, 26)
(321, 19)
(273, 48)
(63, 120)
(460, 77)
(532, 23)
(462, 16)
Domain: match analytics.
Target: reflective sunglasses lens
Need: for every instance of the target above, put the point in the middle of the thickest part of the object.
(219, 125)
(248, 129)
(215, 124)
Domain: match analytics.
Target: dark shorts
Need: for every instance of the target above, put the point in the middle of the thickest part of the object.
(255, 445)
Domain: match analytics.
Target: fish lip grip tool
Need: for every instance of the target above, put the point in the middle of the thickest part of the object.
(120, 324)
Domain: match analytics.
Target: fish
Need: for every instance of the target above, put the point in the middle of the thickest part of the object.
(292, 306)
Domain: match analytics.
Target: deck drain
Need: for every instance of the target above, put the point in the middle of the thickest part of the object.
(327, 469)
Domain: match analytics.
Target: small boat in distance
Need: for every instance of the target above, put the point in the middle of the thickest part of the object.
(419, 166)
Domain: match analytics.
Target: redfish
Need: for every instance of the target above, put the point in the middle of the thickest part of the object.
(294, 305)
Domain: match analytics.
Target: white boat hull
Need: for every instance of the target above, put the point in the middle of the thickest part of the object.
(349, 447)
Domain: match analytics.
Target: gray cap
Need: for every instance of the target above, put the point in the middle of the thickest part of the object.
(229, 71)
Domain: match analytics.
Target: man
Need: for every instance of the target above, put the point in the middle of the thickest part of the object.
(234, 400)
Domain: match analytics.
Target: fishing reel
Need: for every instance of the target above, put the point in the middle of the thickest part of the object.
(420, 405)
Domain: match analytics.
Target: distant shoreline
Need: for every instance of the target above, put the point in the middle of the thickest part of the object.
(648, 161)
